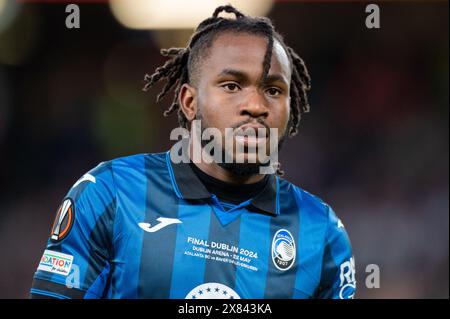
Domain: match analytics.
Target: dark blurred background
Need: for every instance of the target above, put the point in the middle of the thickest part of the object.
(375, 145)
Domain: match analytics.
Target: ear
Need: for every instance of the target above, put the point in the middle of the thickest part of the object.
(187, 99)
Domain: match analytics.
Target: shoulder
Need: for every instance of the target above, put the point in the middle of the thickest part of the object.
(307, 203)
(129, 164)
(104, 178)
(137, 162)
(313, 209)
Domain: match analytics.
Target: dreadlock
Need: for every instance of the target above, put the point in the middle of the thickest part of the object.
(183, 64)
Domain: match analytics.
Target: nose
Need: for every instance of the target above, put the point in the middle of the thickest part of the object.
(255, 105)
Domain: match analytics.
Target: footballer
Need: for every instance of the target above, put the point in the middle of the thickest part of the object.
(147, 226)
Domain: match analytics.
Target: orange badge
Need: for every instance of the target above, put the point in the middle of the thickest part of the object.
(63, 221)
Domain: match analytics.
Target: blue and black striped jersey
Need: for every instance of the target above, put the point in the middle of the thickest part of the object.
(144, 227)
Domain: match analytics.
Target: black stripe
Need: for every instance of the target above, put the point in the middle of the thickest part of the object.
(101, 249)
(281, 283)
(267, 198)
(55, 288)
(329, 272)
(158, 248)
(187, 181)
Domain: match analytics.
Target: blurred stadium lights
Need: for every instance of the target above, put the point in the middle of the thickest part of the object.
(20, 28)
(177, 14)
(8, 11)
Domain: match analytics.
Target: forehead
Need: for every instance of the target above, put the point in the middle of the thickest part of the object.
(245, 52)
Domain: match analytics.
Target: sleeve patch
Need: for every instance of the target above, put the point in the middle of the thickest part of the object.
(64, 220)
(56, 262)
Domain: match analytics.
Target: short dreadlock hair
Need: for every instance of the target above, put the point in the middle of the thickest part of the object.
(184, 62)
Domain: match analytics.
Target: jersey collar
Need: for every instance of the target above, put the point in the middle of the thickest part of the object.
(187, 185)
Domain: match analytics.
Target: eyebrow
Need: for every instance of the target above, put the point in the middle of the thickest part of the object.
(236, 73)
(242, 76)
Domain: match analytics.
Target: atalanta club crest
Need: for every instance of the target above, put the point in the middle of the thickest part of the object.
(283, 250)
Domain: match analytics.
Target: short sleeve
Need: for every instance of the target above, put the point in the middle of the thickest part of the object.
(338, 266)
(76, 261)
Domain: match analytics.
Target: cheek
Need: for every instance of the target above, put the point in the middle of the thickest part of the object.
(215, 110)
(281, 113)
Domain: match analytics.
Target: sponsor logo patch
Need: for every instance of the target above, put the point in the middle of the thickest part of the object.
(347, 285)
(163, 222)
(56, 262)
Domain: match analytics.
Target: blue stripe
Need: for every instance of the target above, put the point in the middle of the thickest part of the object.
(188, 271)
(158, 248)
(47, 293)
(172, 178)
(130, 211)
(338, 238)
(254, 236)
(96, 289)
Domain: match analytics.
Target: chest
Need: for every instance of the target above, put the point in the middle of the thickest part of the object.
(191, 253)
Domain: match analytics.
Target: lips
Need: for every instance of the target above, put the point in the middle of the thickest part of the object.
(249, 134)
(252, 131)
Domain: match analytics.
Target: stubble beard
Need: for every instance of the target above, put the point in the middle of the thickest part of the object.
(238, 169)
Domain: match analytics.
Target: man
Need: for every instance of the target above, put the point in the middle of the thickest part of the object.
(146, 226)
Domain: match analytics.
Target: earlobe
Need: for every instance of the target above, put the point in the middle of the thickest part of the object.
(187, 100)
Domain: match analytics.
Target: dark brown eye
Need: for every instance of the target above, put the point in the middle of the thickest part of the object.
(231, 87)
(273, 91)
